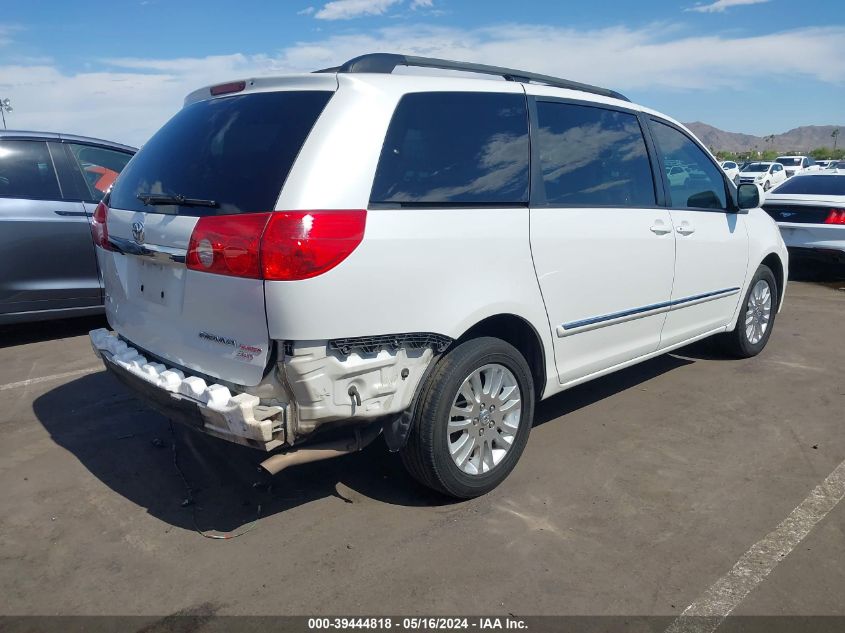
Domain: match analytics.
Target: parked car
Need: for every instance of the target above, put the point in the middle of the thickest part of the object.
(732, 170)
(49, 187)
(810, 211)
(765, 174)
(301, 263)
(823, 164)
(796, 164)
(836, 165)
(678, 176)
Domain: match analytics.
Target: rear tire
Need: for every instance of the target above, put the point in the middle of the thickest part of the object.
(756, 317)
(473, 419)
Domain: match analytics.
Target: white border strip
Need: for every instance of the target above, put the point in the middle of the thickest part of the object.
(35, 381)
(709, 611)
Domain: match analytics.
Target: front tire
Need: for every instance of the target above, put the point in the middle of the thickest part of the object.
(756, 317)
(767, 185)
(473, 419)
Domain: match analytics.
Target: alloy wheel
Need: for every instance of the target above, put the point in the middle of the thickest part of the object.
(484, 419)
(758, 312)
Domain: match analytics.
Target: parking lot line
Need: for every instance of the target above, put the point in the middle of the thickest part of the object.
(35, 381)
(707, 612)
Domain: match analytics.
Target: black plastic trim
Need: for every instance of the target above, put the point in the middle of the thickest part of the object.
(386, 63)
(372, 344)
(392, 206)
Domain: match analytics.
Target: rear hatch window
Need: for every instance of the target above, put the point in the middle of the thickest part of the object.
(817, 185)
(235, 152)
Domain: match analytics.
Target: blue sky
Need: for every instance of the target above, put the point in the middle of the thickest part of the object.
(118, 70)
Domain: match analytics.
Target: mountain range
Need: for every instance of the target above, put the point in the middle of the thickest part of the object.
(801, 139)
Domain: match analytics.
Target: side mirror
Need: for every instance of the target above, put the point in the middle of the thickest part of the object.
(748, 196)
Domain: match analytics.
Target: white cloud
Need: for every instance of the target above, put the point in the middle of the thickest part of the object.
(306, 11)
(721, 5)
(128, 99)
(422, 4)
(6, 33)
(347, 9)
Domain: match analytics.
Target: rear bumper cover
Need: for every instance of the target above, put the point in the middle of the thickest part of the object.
(213, 409)
(825, 239)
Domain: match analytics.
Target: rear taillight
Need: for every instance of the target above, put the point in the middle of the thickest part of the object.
(100, 228)
(836, 216)
(304, 244)
(228, 244)
(276, 246)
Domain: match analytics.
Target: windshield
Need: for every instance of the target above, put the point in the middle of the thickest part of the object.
(230, 155)
(817, 185)
(789, 162)
(756, 167)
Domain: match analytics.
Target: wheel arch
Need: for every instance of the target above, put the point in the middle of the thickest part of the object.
(775, 264)
(522, 335)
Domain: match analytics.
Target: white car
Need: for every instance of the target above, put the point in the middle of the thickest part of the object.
(796, 164)
(677, 176)
(732, 170)
(810, 211)
(836, 166)
(765, 174)
(823, 164)
(301, 263)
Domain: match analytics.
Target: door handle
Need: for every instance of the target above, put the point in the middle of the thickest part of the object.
(71, 214)
(660, 229)
(685, 229)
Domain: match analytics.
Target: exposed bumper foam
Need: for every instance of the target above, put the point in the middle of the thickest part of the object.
(215, 401)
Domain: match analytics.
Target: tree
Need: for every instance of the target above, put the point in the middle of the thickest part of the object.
(835, 135)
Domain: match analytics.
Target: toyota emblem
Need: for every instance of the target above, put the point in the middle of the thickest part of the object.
(138, 232)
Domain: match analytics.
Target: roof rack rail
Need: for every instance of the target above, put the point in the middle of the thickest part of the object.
(387, 62)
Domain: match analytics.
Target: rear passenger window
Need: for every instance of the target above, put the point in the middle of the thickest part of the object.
(700, 185)
(593, 157)
(99, 166)
(455, 148)
(26, 171)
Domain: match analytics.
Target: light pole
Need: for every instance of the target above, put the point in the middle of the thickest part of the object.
(5, 106)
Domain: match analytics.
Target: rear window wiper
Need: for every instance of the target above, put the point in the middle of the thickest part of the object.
(153, 199)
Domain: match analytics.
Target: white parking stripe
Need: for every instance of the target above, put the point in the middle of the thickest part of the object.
(35, 381)
(709, 611)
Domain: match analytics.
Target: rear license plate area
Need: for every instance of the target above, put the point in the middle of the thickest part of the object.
(156, 283)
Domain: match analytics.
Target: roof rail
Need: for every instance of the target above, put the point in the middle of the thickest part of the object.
(387, 62)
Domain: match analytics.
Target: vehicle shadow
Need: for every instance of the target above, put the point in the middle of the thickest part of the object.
(588, 393)
(35, 332)
(821, 272)
(134, 451)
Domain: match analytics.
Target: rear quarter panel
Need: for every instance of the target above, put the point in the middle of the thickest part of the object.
(417, 270)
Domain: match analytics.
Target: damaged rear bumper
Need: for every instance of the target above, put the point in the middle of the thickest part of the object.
(314, 386)
(213, 409)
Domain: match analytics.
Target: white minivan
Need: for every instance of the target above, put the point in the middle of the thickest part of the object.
(301, 264)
